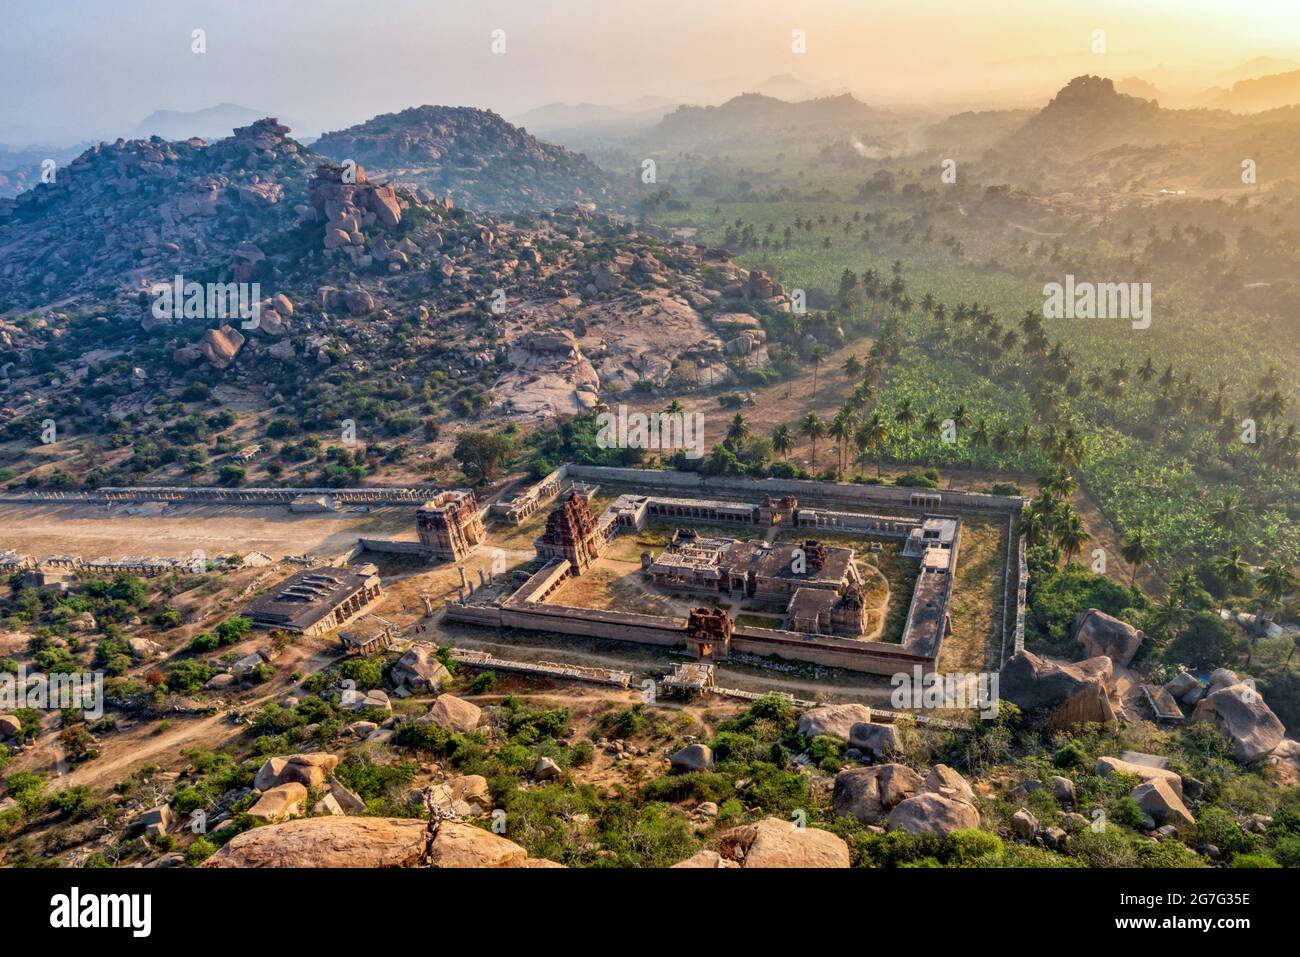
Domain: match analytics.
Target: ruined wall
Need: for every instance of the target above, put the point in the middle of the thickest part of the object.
(847, 493)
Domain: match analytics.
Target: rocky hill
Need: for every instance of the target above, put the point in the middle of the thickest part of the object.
(474, 156)
(1088, 116)
(377, 303)
(756, 115)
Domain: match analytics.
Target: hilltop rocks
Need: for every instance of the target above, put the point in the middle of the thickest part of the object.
(932, 813)
(869, 794)
(1239, 711)
(1102, 634)
(836, 720)
(475, 155)
(454, 714)
(773, 842)
(346, 201)
(1067, 694)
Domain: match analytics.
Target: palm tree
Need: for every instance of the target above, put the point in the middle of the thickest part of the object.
(1229, 514)
(673, 408)
(1071, 536)
(814, 428)
(960, 418)
(1276, 581)
(930, 426)
(841, 429)
(737, 432)
(782, 440)
(1136, 550)
(852, 367)
(871, 437)
(817, 358)
(1231, 567)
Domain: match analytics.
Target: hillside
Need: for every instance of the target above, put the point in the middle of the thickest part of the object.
(474, 156)
(377, 305)
(1262, 93)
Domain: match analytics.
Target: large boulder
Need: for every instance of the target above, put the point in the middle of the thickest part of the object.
(693, 757)
(327, 842)
(837, 720)
(1066, 694)
(1158, 799)
(455, 714)
(945, 782)
(876, 739)
(420, 670)
(309, 770)
(1105, 635)
(773, 842)
(1107, 766)
(280, 802)
(869, 794)
(931, 813)
(1240, 713)
(463, 845)
(9, 725)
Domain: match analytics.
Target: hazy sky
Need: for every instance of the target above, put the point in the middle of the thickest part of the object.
(95, 68)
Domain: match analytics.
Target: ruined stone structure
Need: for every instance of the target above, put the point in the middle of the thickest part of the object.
(449, 525)
(572, 533)
(317, 601)
(780, 511)
(708, 634)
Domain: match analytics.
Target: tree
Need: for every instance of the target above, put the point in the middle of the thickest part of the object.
(481, 454)
(841, 429)
(737, 432)
(1071, 536)
(1136, 550)
(1232, 568)
(1229, 514)
(871, 437)
(813, 428)
(782, 440)
(817, 358)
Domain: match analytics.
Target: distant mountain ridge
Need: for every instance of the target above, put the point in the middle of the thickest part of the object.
(751, 114)
(213, 122)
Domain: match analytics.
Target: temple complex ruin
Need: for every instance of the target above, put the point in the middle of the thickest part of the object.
(318, 600)
(449, 525)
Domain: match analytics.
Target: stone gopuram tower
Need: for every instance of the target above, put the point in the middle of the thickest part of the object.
(571, 533)
(708, 634)
(450, 524)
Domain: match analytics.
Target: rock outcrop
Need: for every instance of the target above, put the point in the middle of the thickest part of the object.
(932, 813)
(1065, 694)
(836, 720)
(869, 794)
(1103, 634)
(1239, 711)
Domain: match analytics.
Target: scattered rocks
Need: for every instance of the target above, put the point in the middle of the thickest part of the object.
(1024, 824)
(545, 769)
(869, 794)
(420, 670)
